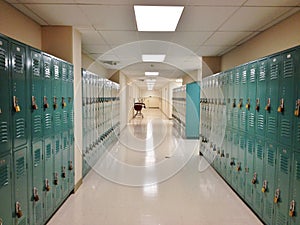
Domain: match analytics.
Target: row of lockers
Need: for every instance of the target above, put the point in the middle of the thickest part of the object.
(250, 133)
(186, 110)
(101, 117)
(36, 133)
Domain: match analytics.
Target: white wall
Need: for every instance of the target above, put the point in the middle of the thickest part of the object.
(152, 99)
(167, 95)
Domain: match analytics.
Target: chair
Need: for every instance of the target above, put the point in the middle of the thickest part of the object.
(138, 108)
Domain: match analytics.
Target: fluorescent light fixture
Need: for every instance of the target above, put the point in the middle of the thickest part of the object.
(151, 73)
(179, 80)
(157, 18)
(153, 58)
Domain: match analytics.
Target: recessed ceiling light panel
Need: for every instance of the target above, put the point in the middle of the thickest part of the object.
(157, 18)
(153, 58)
(151, 73)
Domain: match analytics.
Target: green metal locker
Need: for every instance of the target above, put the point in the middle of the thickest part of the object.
(64, 164)
(70, 93)
(236, 98)
(19, 94)
(6, 190)
(56, 95)
(268, 185)
(57, 172)
(228, 155)
(257, 176)
(250, 103)
(5, 110)
(243, 98)
(296, 122)
(240, 167)
(20, 207)
(261, 98)
(36, 192)
(283, 185)
(47, 96)
(249, 169)
(71, 161)
(64, 96)
(48, 187)
(231, 102)
(234, 158)
(295, 195)
(286, 106)
(272, 96)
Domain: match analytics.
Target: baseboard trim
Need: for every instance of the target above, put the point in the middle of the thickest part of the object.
(77, 185)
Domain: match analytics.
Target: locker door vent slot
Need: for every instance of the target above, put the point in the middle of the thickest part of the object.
(48, 122)
(37, 157)
(3, 132)
(56, 72)
(286, 127)
(37, 124)
(281, 219)
(260, 122)
(288, 68)
(237, 78)
(47, 70)
(297, 169)
(20, 128)
(284, 164)
(48, 151)
(65, 117)
(244, 76)
(262, 73)
(251, 119)
(259, 151)
(271, 125)
(36, 67)
(298, 132)
(20, 166)
(3, 59)
(271, 157)
(274, 71)
(252, 75)
(57, 120)
(64, 73)
(57, 147)
(4, 176)
(18, 63)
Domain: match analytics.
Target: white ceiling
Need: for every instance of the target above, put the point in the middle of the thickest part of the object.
(206, 28)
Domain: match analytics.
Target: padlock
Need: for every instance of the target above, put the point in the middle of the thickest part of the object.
(33, 103)
(281, 106)
(17, 108)
(264, 187)
(277, 195)
(35, 195)
(70, 165)
(63, 102)
(47, 185)
(297, 109)
(292, 208)
(63, 174)
(19, 212)
(55, 179)
(254, 179)
(16, 105)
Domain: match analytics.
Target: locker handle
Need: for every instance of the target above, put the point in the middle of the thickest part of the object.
(238, 167)
(0, 113)
(33, 103)
(16, 105)
(1, 221)
(234, 103)
(56, 179)
(54, 103)
(240, 105)
(35, 194)
(281, 106)
(46, 105)
(19, 212)
(257, 104)
(47, 186)
(248, 104)
(71, 165)
(63, 174)
(297, 109)
(265, 186)
(268, 106)
(292, 208)
(277, 196)
(254, 179)
(63, 102)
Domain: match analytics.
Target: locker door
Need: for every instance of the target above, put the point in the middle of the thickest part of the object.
(38, 182)
(234, 158)
(230, 99)
(36, 97)
(57, 179)
(5, 190)
(269, 181)
(228, 156)
(258, 175)
(5, 138)
(241, 164)
(286, 97)
(272, 96)
(19, 94)
(64, 95)
(235, 113)
(249, 169)
(71, 161)
(70, 97)
(297, 105)
(47, 96)
(295, 190)
(283, 184)
(243, 100)
(56, 95)
(251, 99)
(48, 178)
(20, 207)
(64, 164)
(261, 98)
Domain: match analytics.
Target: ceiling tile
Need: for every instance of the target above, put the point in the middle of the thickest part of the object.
(64, 14)
(105, 17)
(272, 3)
(119, 37)
(188, 39)
(91, 37)
(252, 18)
(211, 50)
(103, 2)
(160, 2)
(217, 2)
(96, 48)
(224, 38)
(47, 1)
(162, 36)
(202, 18)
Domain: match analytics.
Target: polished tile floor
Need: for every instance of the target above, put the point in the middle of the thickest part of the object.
(153, 177)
